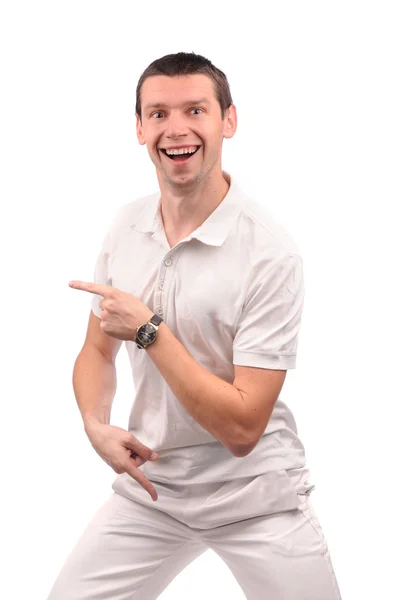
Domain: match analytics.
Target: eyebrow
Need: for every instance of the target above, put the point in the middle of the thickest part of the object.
(160, 104)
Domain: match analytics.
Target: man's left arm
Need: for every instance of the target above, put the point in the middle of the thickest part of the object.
(233, 413)
(264, 348)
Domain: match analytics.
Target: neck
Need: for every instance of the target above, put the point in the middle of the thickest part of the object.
(185, 208)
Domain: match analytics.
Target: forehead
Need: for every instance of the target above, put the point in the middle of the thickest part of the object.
(168, 90)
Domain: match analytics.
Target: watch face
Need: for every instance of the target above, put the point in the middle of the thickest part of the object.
(146, 334)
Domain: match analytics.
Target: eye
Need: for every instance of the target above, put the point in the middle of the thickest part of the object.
(160, 113)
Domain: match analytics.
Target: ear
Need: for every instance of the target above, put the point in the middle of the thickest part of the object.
(139, 131)
(230, 122)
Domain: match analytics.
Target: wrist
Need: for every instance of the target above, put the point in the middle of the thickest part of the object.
(147, 333)
(145, 315)
(92, 421)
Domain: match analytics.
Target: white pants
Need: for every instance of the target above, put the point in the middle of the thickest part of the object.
(133, 548)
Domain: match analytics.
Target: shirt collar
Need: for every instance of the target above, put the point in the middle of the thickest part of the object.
(213, 231)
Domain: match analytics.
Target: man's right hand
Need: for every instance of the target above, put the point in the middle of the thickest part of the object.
(114, 445)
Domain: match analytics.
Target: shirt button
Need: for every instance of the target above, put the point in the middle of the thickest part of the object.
(160, 285)
(168, 262)
(160, 311)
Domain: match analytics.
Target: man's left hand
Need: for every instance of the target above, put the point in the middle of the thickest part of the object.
(121, 312)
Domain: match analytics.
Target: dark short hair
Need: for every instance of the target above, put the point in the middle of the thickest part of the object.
(185, 63)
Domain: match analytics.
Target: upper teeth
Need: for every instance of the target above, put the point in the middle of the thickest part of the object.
(188, 150)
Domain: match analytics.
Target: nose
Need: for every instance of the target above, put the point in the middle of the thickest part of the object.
(176, 126)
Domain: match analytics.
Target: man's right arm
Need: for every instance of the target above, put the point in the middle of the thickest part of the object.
(94, 384)
(94, 374)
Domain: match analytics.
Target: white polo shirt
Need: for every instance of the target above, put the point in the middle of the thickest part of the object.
(232, 293)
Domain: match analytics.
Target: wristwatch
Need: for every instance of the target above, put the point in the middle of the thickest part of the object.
(147, 333)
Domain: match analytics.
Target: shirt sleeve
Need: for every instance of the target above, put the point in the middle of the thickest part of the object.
(102, 272)
(102, 269)
(268, 328)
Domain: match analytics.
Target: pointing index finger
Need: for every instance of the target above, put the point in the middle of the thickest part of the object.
(94, 288)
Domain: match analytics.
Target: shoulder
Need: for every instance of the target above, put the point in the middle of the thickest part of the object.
(127, 215)
(265, 229)
(263, 246)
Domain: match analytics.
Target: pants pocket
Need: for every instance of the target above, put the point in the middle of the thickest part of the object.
(308, 511)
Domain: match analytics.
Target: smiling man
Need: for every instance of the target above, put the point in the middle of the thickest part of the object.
(206, 289)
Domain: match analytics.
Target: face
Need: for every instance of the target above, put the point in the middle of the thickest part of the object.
(187, 115)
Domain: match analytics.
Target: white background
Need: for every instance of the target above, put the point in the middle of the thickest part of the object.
(316, 90)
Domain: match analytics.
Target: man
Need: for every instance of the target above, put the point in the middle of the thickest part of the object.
(207, 291)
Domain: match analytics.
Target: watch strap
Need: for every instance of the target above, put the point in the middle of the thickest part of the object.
(156, 320)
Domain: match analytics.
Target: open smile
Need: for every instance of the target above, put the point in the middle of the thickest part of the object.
(180, 159)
